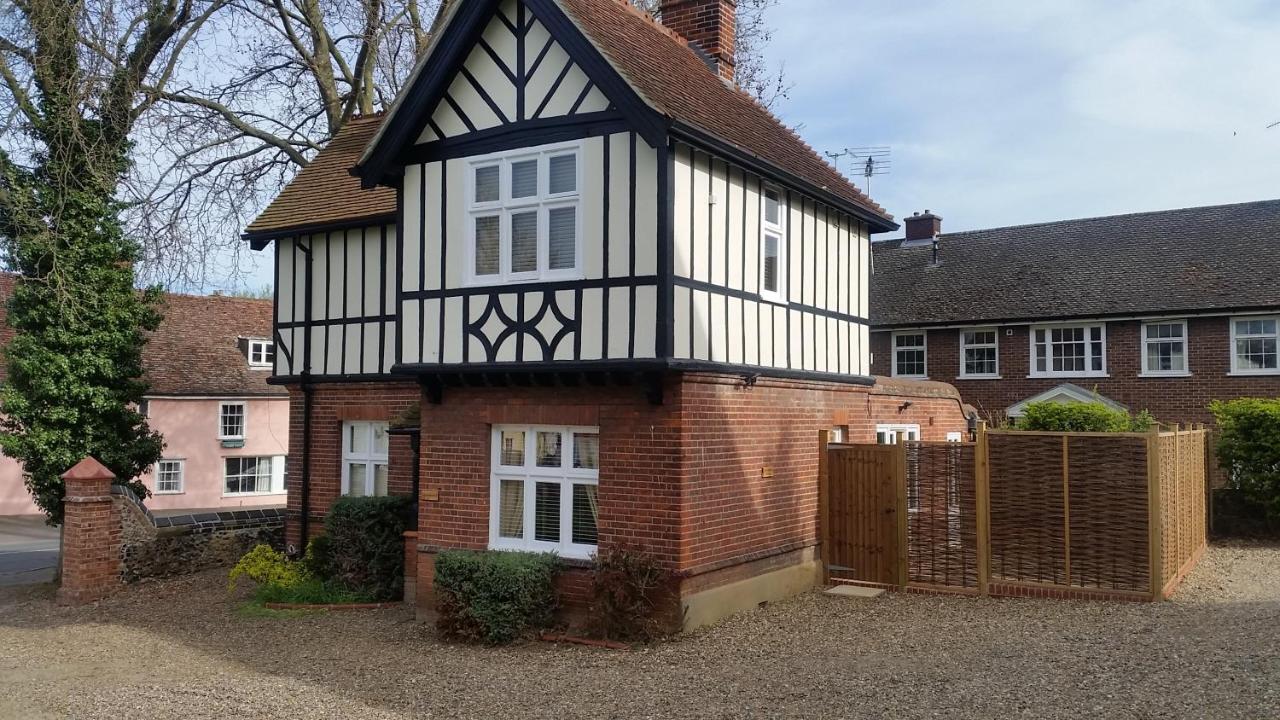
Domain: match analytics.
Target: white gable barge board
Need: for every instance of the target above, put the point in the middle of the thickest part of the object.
(1064, 393)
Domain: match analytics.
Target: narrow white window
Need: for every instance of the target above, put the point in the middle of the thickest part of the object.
(773, 251)
(231, 420)
(364, 459)
(909, 355)
(253, 475)
(543, 490)
(170, 476)
(1255, 343)
(262, 353)
(525, 215)
(979, 353)
(1164, 348)
(1068, 351)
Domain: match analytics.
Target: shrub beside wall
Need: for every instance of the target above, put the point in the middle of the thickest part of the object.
(362, 549)
(1050, 416)
(632, 597)
(493, 597)
(1249, 451)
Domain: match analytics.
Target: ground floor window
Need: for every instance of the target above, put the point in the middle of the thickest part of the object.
(543, 492)
(364, 459)
(169, 476)
(254, 475)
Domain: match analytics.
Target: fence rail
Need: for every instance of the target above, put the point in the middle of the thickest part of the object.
(1120, 515)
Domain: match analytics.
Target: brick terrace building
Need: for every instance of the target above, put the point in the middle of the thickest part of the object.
(1161, 311)
(621, 296)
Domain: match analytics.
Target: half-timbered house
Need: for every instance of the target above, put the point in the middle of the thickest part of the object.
(623, 296)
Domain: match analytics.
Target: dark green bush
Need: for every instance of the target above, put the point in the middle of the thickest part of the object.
(493, 597)
(364, 549)
(632, 596)
(1249, 450)
(281, 580)
(1081, 417)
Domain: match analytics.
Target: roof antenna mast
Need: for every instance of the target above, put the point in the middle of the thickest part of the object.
(867, 161)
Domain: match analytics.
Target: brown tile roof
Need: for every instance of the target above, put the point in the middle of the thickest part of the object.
(324, 192)
(660, 65)
(196, 350)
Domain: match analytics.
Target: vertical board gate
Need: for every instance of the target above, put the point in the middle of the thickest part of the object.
(861, 518)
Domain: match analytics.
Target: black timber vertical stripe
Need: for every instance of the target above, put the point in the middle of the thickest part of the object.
(398, 353)
(604, 235)
(519, 79)
(631, 238)
(666, 249)
(444, 252)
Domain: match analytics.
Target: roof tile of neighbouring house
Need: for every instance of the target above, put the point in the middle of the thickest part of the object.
(324, 192)
(1225, 257)
(197, 349)
(660, 65)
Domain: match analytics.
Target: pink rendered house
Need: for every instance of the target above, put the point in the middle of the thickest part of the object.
(226, 430)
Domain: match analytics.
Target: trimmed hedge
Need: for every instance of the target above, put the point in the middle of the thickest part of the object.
(362, 548)
(493, 597)
(1249, 450)
(1051, 416)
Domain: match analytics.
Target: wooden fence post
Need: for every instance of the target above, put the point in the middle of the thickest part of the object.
(1154, 515)
(903, 512)
(1066, 509)
(824, 498)
(982, 492)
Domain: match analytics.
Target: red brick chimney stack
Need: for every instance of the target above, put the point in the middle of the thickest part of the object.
(710, 24)
(923, 226)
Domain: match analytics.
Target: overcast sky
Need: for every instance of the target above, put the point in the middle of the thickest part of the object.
(1002, 112)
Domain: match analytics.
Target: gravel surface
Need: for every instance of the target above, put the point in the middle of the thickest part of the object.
(179, 648)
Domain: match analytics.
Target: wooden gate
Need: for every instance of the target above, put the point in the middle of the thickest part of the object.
(861, 525)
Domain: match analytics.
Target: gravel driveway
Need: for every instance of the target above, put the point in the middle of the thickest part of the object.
(180, 649)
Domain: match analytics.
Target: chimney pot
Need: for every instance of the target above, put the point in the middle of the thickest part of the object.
(923, 226)
(709, 24)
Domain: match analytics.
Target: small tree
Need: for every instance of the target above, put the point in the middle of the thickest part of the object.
(1052, 416)
(1249, 449)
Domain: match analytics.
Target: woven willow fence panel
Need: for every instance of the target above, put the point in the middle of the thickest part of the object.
(1107, 483)
(942, 528)
(1182, 502)
(1028, 532)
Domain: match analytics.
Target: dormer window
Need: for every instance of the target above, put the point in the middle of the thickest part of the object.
(262, 353)
(525, 222)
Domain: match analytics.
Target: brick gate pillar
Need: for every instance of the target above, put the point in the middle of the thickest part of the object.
(90, 535)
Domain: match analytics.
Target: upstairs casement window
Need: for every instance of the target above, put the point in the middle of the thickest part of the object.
(365, 449)
(773, 249)
(910, 355)
(525, 216)
(979, 353)
(1255, 346)
(231, 420)
(1164, 348)
(1069, 351)
(262, 353)
(543, 490)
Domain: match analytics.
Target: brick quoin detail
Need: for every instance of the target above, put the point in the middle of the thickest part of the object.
(91, 536)
(1175, 399)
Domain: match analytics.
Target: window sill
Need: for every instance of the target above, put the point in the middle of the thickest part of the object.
(910, 377)
(1157, 376)
(1255, 373)
(1067, 376)
(980, 377)
(255, 494)
(168, 492)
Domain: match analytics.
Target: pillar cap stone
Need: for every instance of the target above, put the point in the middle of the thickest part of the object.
(89, 469)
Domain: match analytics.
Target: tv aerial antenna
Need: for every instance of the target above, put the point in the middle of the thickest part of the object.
(870, 161)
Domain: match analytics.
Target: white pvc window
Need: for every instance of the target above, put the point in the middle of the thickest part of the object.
(525, 218)
(262, 353)
(231, 420)
(1068, 351)
(773, 250)
(365, 449)
(910, 351)
(543, 492)
(170, 476)
(1164, 348)
(1255, 346)
(253, 475)
(979, 353)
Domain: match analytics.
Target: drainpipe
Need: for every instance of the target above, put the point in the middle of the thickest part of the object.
(308, 395)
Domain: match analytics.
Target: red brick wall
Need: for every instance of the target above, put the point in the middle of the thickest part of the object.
(334, 404)
(1182, 400)
(712, 24)
(91, 540)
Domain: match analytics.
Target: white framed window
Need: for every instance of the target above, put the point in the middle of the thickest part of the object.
(525, 216)
(979, 353)
(1164, 348)
(262, 353)
(1255, 345)
(910, 351)
(543, 489)
(364, 459)
(232, 416)
(262, 475)
(1068, 351)
(890, 434)
(170, 476)
(773, 249)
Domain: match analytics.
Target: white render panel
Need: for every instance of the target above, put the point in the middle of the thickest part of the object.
(735, 207)
(700, 211)
(453, 330)
(683, 231)
(409, 315)
(430, 330)
(683, 310)
(701, 325)
(430, 247)
(619, 331)
(718, 328)
(593, 219)
(736, 325)
(472, 105)
(456, 258)
(285, 250)
(646, 209)
(353, 268)
(413, 176)
(592, 317)
(646, 328)
(620, 205)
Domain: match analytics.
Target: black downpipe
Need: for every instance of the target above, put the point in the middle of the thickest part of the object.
(308, 394)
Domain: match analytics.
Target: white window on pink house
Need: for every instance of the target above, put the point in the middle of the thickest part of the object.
(364, 459)
(253, 475)
(543, 490)
(231, 420)
(170, 476)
